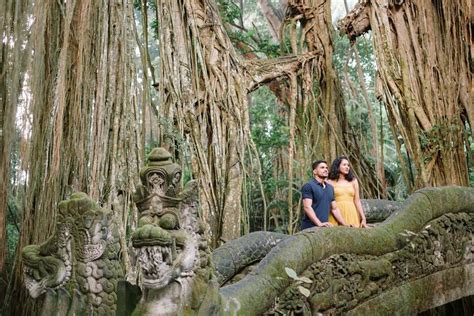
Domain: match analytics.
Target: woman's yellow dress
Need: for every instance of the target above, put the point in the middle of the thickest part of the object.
(344, 196)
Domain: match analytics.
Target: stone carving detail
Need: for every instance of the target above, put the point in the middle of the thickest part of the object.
(377, 211)
(81, 258)
(235, 258)
(343, 281)
(170, 248)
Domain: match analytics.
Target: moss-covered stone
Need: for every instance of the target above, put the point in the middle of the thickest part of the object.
(421, 294)
(259, 289)
(169, 244)
(78, 266)
(344, 281)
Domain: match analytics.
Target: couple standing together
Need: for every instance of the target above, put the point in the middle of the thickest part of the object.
(335, 201)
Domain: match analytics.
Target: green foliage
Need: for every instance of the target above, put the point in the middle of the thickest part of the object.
(229, 11)
(270, 134)
(13, 232)
(136, 4)
(346, 66)
(267, 47)
(149, 4)
(268, 129)
(13, 236)
(470, 157)
(155, 27)
(256, 38)
(13, 210)
(344, 60)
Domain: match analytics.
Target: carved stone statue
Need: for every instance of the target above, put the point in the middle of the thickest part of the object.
(78, 266)
(171, 251)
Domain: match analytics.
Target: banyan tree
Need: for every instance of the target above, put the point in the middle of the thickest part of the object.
(203, 90)
(424, 66)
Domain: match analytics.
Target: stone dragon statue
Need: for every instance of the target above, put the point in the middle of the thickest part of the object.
(169, 243)
(78, 267)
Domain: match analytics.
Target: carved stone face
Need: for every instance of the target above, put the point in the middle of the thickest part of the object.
(43, 272)
(156, 182)
(47, 270)
(161, 244)
(156, 264)
(86, 240)
(160, 251)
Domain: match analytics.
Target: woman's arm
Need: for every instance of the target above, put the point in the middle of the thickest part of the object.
(358, 204)
(337, 214)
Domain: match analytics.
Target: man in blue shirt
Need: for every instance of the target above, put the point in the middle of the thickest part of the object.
(318, 199)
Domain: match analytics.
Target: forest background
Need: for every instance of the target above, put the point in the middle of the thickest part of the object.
(244, 93)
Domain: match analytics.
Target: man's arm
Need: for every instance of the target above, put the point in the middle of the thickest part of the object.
(337, 214)
(308, 209)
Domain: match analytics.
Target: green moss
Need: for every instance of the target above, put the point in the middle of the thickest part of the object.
(420, 294)
(145, 220)
(150, 235)
(168, 221)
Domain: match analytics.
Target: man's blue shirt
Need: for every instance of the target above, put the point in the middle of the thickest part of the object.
(322, 198)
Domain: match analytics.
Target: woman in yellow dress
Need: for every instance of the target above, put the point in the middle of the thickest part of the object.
(346, 193)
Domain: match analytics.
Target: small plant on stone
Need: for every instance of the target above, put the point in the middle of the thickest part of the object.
(299, 281)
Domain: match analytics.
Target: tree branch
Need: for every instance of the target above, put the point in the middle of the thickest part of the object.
(356, 22)
(278, 88)
(260, 72)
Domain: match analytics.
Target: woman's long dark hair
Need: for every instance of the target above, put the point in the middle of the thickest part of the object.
(334, 171)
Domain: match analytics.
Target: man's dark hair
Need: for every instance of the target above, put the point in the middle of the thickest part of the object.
(317, 162)
(334, 171)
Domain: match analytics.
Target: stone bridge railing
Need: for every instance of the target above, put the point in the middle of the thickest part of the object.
(419, 258)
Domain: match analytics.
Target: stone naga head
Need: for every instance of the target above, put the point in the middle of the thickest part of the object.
(167, 239)
(82, 252)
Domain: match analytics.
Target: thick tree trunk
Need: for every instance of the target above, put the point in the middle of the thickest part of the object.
(201, 95)
(423, 59)
(13, 57)
(203, 90)
(83, 127)
(315, 20)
